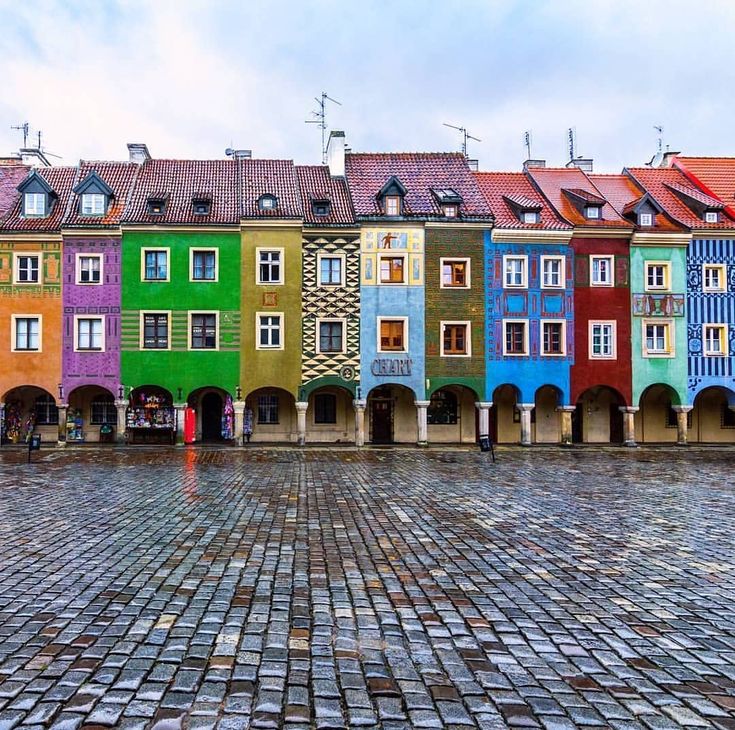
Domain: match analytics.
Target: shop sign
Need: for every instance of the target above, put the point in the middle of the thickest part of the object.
(391, 366)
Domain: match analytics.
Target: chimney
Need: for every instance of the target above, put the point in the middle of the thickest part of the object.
(336, 153)
(583, 163)
(474, 165)
(138, 152)
(533, 163)
(668, 158)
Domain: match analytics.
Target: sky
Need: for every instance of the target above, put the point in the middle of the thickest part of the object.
(191, 78)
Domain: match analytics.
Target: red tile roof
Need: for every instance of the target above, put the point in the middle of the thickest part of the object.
(61, 180)
(10, 177)
(274, 177)
(553, 182)
(316, 184)
(500, 187)
(714, 175)
(180, 181)
(367, 173)
(657, 181)
(120, 177)
(695, 194)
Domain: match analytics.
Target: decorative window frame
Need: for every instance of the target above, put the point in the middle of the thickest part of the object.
(524, 276)
(723, 278)
(671, 335)
(468, 338)
(667, 276)
(94, 196)
(562, 271)
(190, 313)
(393, 255)
(282, 263)
(331, 255)
(467, 261)
(204, 249)
(607, 257)
(379, 321)
(563, 324)
(526, 334)
(724, 344)
(590, 327)
(281, 326)
(16, 270)
(150, 249)
(141, 338)
(327, 320)
(14, 332)
(103, 319)
(78, 268)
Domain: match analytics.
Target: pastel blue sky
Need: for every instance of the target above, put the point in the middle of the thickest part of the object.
(190, 77)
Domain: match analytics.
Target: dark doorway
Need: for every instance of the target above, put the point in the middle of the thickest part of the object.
(381, 415)
(616, 424)
(577, 424)
(211, 417)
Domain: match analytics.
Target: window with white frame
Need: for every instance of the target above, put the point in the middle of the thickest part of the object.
(203, 330)
(270, 270)
(89, 333)
(331, 270)
(552, 272)
(715, 340)
(658, 338)
(26, 333)
(602, 336)
(93, 204)
(553, 337)
(645, 219)
(455, 341)
(27, 268)
(89, 268)
(155, 264)
(455, 273)
(515, 268)
(392, 205)
(270, 335)
(711, 216)
(601, 270)
(515, 337)
(204, 264)
(154, 328)
(531, 216)
(392, 269)
(392, 335)
(34, 204)
(657, 275)
(331, 335)
(714, 277)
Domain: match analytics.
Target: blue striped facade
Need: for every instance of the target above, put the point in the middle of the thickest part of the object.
(710, 308)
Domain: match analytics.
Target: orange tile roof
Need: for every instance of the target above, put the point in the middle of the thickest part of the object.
(714, 175)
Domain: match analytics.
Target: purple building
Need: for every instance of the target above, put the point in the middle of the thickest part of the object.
(91, 301)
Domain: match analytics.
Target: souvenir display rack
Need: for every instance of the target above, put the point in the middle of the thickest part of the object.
(150, 418)
(74, 425)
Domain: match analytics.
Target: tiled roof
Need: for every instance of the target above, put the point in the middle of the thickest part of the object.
(120, 177)
(179, 182)
(623, 194)
(689, 192)
(61, 180)
(554, 181)
(274, 177)
(657, 181)
(499, 187)
(316, 184)
(419, 172)
(10, 177)
(714, 175)
(586, 195)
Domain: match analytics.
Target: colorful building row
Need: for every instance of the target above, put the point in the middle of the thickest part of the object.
(380, 298)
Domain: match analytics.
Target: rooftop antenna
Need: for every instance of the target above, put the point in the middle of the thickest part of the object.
(660, 131)
(527, 137)
(24, 127)
(320, 118)
(572, 142)
(465, 136)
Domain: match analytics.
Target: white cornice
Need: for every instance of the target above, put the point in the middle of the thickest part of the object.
(178, 229)
(527, 235)
(88, 233)
(660, 239)
(331, 232)
(14, 236)
(713, 233)
(282, 223)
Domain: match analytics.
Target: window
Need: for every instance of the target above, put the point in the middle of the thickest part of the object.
(102, 410)
(269, 331)
(658, 339)
(392, 205)
(203, 328)
(89, 269)
(455, 338)
(553, 337)
(442, 410)
(331, 336)
(450, 211)
(269, 267)
(201, 206)
(515, 271)
(657, 276)
(592, 212)
(26, 333)
(391, 335)
(203, 264)
(602, 337)
(711, 216)
(267, 409)
(645, 219)
(47, 414)
(155, 331)
(331, 269)
(89, 333)
(516, 337)
(267, 202)
(530, 216)
(602, 267)
(321, 208)
(27, 269)
(155, 264)
(156, 206)
(34, 204)
(392, 269)
(325, 408)
(455, 273)
(715, 339)
(715, 277)
(93, 204)
(552, 272)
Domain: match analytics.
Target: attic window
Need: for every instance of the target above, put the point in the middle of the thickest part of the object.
(93, 204)
(392, 204)
(450, 211)
(592, 212)
(645, 219)
(34, 204)
(201, 206)
(711, 216)
(321, 207)
(267, 202)
(530, 216)
(156, 206)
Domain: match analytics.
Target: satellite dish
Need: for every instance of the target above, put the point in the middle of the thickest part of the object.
(229, 151)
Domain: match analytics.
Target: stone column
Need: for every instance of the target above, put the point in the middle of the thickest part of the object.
(423, 431)
(359, 406)
(2, 422)
(629, 424)
(682, 435)
(566, 424)
(180, 410)
(239, 408)
(483, 421)
(301, 407)
(122, 407)
(525, 409)
(61, 428)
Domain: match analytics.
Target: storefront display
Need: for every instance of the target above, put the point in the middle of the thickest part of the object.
(150, 418)
(74, 425)
(228, 420)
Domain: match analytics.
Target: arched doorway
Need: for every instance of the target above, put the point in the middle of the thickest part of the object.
(212, 406)
(274, 415)
(29, 409)
(713, 421)
(505, 418)
(330, 415)
(392, 414)
(214, 414)
(546, 426)
(451, 416)
(91, 416)
(656, 419)
(150, 416)
(598, 419)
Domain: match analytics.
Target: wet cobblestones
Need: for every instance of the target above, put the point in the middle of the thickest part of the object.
(164, 588)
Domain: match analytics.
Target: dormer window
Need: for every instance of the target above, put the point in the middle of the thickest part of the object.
(37, 196)
(34, 205)
(94, 195)
(321, 208)
(392, 205)
(201, 206)
(449, 201)
(390, 197)
(530, 216)
(711, 216)
(645, 219)
(450, 211)
(93, 204)
(156, 206)
(267, 202)
(592, 212)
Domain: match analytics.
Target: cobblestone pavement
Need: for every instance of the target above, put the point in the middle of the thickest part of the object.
(164, 588)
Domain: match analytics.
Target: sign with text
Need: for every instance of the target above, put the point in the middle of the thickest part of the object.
(391, 366)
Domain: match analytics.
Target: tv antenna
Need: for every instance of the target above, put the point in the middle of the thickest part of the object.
(320, 118)
(660, 131)
(527, 139)
(24, 127)
(572, 142)
(465, 136)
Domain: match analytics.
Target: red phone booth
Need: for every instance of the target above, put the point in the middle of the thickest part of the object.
(190, 425)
